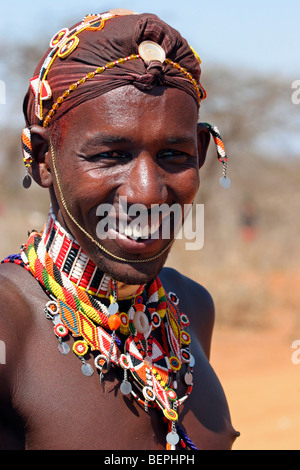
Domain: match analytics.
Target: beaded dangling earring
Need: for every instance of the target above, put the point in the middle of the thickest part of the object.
(27, 156)
(222, 157)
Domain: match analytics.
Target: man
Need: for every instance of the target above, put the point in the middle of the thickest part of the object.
(111, 117)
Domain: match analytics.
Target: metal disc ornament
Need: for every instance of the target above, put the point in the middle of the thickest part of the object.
(225, 182)
(188, 378)
(64, 348)
(113, 308)
(172, 438)
(126, 388)
(87, 369)
(192, 361)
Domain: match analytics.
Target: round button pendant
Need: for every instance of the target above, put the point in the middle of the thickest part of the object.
(225, 182)
(64, 348)
(125, 388)
(150, 50)
(172, 438)
(192, 361)
(87, 369)
(113, 308)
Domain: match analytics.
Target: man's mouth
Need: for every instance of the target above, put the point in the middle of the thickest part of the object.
(136, 231)
(147, 233)
(141, 238)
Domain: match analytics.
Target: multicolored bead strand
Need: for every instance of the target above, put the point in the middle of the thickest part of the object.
(27, 155)
(222, 157)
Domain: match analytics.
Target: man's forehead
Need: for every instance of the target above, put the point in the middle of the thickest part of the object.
(103, 138)
(172, 117)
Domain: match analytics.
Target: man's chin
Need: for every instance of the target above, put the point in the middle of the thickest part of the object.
(132, 273)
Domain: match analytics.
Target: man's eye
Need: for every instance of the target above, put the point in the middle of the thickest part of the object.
(173, 154)
(111, 155)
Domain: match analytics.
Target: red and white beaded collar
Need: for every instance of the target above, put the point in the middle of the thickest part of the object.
(71, 260)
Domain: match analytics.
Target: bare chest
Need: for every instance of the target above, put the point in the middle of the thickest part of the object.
(65, 409)
(61, 408)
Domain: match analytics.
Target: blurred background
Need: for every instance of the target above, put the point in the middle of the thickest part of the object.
(250, 258)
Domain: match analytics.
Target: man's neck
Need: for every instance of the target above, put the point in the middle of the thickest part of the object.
(72, 261)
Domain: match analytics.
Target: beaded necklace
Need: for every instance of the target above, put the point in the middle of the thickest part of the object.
(119, 340)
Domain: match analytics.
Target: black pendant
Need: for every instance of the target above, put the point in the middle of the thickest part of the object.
(27, 181)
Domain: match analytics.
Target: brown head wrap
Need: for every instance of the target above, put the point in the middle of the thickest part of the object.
(108, 38)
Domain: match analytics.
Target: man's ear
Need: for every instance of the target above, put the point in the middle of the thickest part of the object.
(203, 142)
(41, 156)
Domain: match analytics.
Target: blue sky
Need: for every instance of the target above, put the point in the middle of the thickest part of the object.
(260, 35)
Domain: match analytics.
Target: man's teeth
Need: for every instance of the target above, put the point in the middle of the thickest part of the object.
(128, 231)
(136, 231)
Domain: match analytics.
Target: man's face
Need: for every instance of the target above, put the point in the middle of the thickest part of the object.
(126, 145)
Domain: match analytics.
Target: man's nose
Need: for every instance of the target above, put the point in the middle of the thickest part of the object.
(146, 182)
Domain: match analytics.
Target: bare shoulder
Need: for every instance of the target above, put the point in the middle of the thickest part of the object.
(14, 282)
(195, 301)
(15, 315)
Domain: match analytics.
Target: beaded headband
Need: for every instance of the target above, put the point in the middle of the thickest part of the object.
(66, 41)
(201, 93)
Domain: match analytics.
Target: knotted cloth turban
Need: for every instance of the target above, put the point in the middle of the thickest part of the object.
(103, 39)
